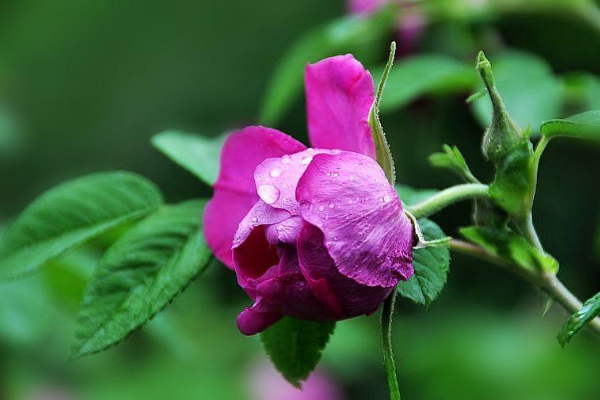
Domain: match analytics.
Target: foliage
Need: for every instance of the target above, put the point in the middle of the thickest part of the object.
(295, 346)
(71, 214)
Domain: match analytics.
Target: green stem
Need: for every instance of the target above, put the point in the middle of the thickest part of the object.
(447, 197)
(539, 149)
(386, 344)
(550, 284)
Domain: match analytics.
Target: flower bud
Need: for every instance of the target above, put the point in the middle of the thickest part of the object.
(503, 134)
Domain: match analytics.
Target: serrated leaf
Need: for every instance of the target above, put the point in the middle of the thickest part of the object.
(139, 275)
(197, 154)
(431, 266)
(384, 154)
(295, 346)
(350, 34)
(72, 213)
(424, 75)
(587, 312)
(411, 196)
(531, 92)
(510, 246)
(514, 183)
(453, 160)
(583, 126)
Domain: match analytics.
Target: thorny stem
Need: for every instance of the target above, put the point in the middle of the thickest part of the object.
(386, 344)
(550, 284)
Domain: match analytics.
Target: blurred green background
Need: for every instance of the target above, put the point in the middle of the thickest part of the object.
(83, 87)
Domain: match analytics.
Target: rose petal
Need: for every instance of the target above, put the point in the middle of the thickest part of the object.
(253, 320)
(339, 293)
(276, 178)
(235, 192)
(366, 232)
(339, 96)
(281, 289)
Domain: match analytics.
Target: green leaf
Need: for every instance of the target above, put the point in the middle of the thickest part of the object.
(424, 75)
(384, 155)
(531, 92)
(295, 346)
(411, 196)
(453, 160)
(587, 312)
(514, 184)
(72, 213)
(141, 274)
(350, 34)
(431, 266)
(582, 91)
(584, 126)
(508, 245)
(197, 154)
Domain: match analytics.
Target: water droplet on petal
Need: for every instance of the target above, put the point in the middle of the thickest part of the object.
(275, 172)
(335, 175)
(352, 178)
(321, 208)
(306, 160)
(387, 198)
(285, 159)
(331, 205)
(268, 193)
(328, 173)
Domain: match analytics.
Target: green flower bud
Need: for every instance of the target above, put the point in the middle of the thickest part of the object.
(503, 134)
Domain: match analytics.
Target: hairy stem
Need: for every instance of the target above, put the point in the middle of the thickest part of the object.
(386, 344)
(550, 284)
(447, 197)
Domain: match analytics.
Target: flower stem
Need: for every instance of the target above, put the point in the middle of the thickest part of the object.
(386, 344)
(447, 197)
(550, 284)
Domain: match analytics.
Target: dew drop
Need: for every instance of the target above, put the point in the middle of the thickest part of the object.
(335, 175)
(275, 172)
(306, 160)
(328, 173)
(285, 159)
(268, 193)
(321, 208)
(387, 198)
(352, 178)
(331, 205)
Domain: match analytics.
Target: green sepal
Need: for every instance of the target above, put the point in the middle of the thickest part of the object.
(514, 184)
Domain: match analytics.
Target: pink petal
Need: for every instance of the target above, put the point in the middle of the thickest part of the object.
(276, 178)
(253, 320)
(253, 255)
(275, 283)
(336, 291)
(366, 232)
(339, 95)
(235, 192)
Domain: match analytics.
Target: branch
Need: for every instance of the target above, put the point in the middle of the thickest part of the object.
(447, 197)
(550, 284)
